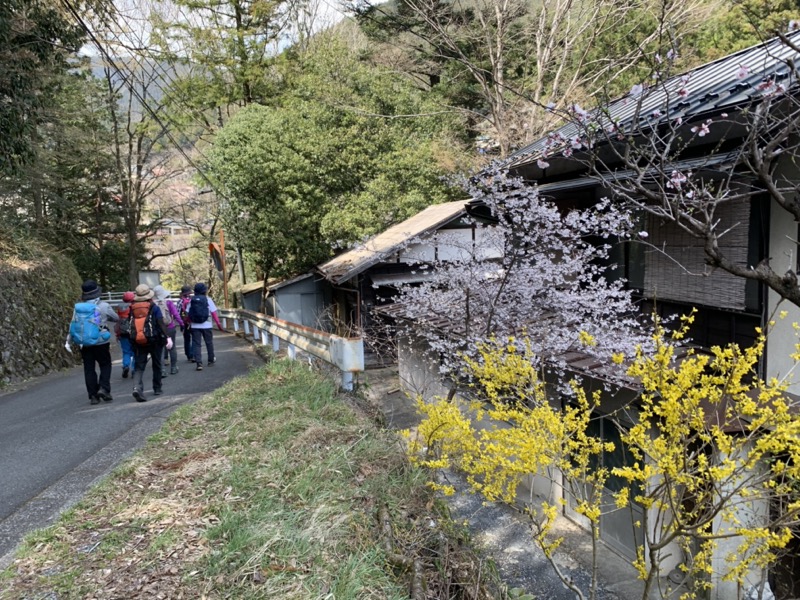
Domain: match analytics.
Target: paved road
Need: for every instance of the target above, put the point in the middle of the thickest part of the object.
(54, 444)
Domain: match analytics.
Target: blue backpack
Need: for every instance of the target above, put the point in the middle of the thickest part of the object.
(84, 330)
(198, 309)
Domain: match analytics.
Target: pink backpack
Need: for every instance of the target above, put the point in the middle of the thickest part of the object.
(184, 309)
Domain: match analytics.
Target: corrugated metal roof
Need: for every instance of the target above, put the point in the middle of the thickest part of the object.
(723, 84)
(692, 164)
(273, 284)
(284, 282)
(355, 261)
(249, 288)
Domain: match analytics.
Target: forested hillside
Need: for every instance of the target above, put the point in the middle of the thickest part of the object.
(297, 130)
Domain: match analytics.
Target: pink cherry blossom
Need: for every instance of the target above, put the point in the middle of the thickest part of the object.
(676, 180)
(701, 130)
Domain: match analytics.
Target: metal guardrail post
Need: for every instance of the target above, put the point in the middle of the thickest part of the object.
(347, 381)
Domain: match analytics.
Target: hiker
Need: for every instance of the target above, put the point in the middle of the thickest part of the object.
(171, 320)
(148, 333)
(183, 310)
(123, 332)
(89, 331)
(201, 312)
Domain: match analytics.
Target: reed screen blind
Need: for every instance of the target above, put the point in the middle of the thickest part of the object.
(680, 272)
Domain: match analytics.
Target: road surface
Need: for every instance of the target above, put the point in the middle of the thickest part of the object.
(54, 444)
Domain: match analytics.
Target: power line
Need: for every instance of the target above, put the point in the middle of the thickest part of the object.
(135, 92)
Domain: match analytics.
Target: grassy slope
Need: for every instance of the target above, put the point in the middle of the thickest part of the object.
(268, 488)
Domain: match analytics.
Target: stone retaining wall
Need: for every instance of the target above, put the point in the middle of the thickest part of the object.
(36, 300)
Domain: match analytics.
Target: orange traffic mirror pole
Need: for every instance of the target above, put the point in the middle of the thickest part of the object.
(224, 270)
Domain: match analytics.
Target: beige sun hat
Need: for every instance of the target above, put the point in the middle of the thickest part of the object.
(142, 292)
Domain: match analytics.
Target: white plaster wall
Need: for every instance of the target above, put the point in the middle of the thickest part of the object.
(421, 252)
(783, 256)
(749, 512)
(455, 244)
(418, 369)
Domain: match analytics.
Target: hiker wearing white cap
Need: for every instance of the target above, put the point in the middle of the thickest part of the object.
(171, 319)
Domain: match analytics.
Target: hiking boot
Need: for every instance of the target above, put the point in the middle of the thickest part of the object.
(173, 370)
(125, 371)
(94, 400)
(104, 396)
(199, 367)
(139, 396)
(157, 392)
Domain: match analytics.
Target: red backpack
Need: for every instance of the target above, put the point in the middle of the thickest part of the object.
(144, 329)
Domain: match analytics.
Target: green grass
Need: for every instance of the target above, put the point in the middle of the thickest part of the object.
(268, 488)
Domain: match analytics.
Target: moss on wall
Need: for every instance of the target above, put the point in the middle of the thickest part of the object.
(38, 288)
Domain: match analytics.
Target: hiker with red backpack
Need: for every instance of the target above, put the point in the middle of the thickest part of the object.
(123, 332)
(148, 333)
(186, 324)
(202, 311)
(89, 331)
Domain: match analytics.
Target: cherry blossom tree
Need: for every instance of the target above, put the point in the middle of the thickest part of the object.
(536, 270)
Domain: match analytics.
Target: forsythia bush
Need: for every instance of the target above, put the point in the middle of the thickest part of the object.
(713, 451)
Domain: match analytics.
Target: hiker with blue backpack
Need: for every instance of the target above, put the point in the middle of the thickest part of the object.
(202, 311)
(89, 330)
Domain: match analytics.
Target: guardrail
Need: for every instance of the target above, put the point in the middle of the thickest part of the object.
(346, 354)
(116, 297)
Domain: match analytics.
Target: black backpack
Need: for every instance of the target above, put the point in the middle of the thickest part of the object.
(125, 326)
(125, 321)
(198, 309)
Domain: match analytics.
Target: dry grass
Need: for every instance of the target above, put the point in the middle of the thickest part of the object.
(267, 489)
